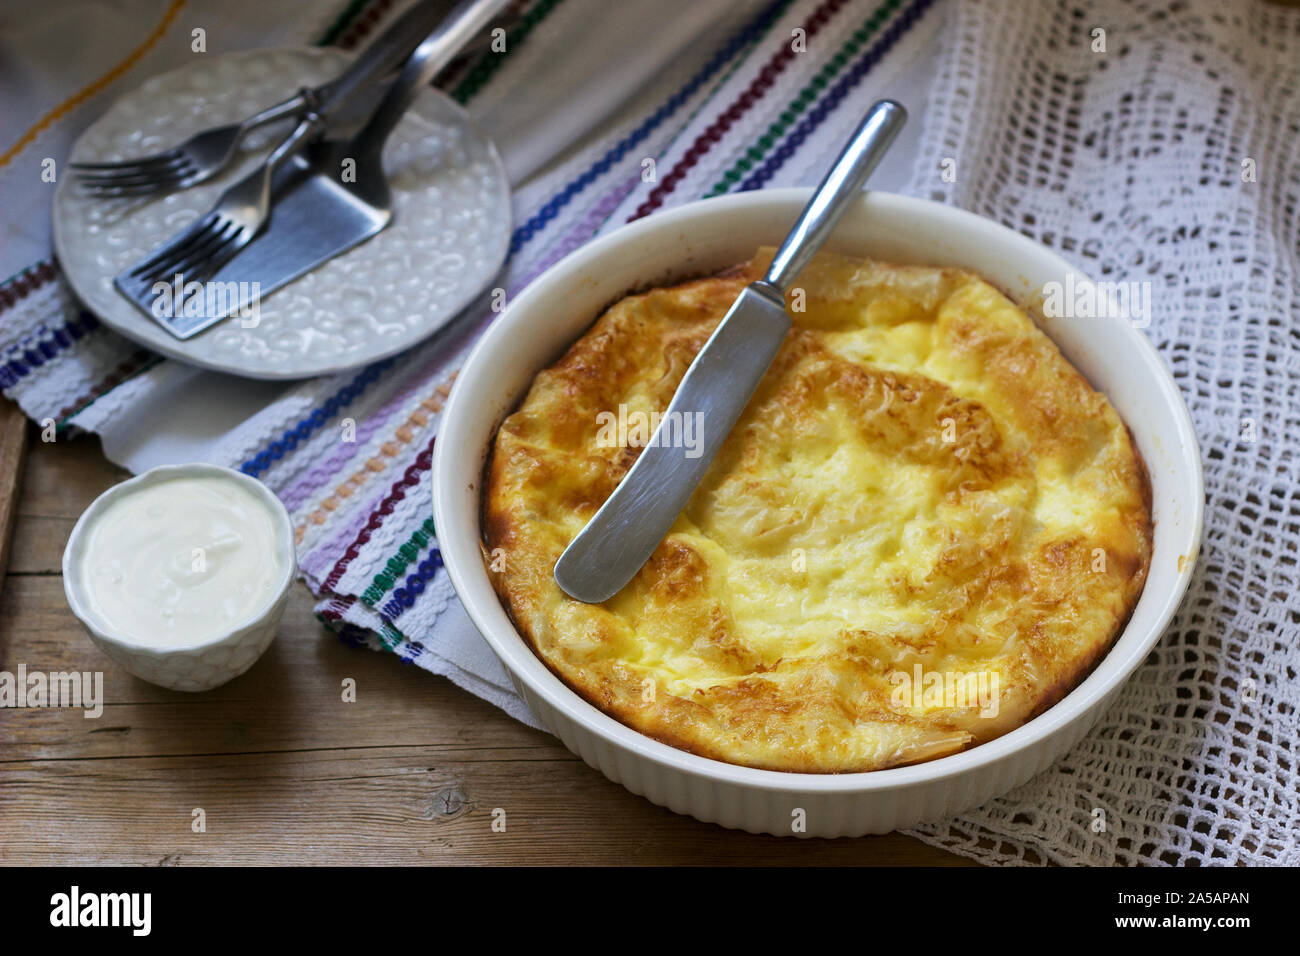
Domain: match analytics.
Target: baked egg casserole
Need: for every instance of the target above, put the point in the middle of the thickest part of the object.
(924, 530)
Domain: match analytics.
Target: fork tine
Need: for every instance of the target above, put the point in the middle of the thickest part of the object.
(127, 176)
(143, 162)
(134, 192)
(135, 186)
(198, 254)
(202, 262)
(142, 179)
(178, 247)
(131, 168)
(219, 255)
(228, 249)
(165, 270)
(144, 188)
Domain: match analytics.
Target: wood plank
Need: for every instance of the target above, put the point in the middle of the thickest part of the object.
(291, 699)
(13, 447)
(62, 478)
(417, 804)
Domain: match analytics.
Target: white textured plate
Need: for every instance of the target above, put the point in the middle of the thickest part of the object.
(448, 238)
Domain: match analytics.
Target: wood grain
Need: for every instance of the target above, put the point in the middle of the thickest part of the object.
(286, 772)
(13, 446)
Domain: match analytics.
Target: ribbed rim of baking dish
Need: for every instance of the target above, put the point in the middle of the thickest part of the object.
(464, 558)
(74, 550)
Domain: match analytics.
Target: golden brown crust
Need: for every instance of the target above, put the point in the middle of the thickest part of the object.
(924, 530)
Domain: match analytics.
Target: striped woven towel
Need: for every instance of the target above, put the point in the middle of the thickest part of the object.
(766, 95)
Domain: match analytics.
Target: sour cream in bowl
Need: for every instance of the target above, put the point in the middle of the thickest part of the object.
(181, 574)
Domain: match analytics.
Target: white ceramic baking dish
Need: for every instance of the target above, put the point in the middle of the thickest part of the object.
(698, 239)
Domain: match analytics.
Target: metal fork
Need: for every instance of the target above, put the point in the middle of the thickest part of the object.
(213, 240)
(196, 160)
(207, 153)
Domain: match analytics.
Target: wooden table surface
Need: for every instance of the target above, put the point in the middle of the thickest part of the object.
(285, 771)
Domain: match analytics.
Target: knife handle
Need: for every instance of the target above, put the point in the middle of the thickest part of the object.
(436, 50)
(837, 192)
(387, 51)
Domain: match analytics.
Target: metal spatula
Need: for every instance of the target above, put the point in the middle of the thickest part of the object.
(622, 535)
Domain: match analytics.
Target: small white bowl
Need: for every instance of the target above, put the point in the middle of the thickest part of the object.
(198, 665)
(698, 239)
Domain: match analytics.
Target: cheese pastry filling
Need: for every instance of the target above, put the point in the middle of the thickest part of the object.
(924, 530)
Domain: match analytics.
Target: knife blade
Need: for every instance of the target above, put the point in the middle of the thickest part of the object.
(624, 532)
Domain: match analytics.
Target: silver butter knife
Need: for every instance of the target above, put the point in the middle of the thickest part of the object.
(622, 535)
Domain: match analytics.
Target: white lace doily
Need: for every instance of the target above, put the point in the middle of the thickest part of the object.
(1166, 153)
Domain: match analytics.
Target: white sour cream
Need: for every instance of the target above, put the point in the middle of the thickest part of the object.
(182, 560)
